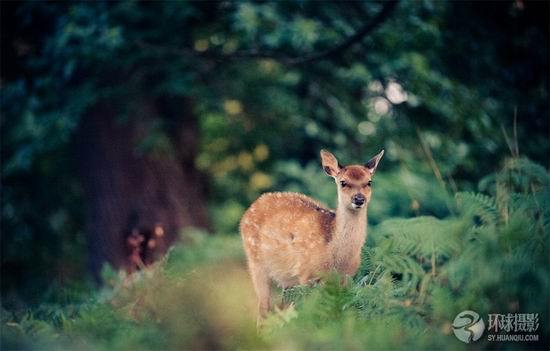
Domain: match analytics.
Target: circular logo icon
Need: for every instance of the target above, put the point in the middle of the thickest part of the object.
(468, 326)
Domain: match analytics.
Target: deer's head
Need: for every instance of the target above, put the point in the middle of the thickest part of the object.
(354, 183)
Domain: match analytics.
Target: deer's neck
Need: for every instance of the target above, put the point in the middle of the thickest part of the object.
(350, 233)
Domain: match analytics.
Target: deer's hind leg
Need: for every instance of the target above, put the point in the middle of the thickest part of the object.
(262, 287)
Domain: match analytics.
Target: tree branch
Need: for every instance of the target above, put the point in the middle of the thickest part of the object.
(352, 40)
(330, 53)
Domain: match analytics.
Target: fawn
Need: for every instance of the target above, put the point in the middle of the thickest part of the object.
(290, 238)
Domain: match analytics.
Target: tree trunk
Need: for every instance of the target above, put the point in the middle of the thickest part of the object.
(138, 201)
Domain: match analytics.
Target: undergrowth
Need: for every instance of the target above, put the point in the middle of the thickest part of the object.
(416, 275)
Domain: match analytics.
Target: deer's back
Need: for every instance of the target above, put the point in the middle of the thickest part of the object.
(288, 235)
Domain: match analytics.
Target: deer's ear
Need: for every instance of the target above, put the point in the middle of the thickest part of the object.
(330, 163)
(373, 162)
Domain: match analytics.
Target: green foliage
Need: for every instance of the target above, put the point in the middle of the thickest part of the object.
(416, 275)
(458, 85)
(446, 88)
(476, 204)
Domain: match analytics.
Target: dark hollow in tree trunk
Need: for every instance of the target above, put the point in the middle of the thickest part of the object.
(138, 201)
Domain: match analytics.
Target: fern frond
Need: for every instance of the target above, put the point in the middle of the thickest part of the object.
(421, 236)
(483, 207)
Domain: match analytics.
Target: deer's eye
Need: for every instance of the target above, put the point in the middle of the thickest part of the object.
(369, 183)
(343, 183)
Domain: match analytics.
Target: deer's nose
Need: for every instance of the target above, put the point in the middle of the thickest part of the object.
(358, 199)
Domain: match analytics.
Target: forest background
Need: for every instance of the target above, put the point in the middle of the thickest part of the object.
(129, 127)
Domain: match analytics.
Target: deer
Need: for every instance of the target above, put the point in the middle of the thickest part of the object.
(291, 239)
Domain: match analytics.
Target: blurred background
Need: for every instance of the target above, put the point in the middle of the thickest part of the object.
(124, 124)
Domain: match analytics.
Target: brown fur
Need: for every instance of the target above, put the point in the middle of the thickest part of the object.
(355, 172)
